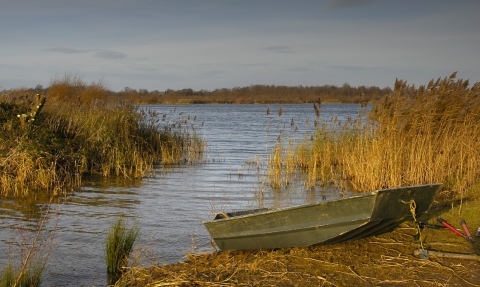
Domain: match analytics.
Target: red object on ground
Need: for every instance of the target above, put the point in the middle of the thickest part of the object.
(450, 227)
(469, 236)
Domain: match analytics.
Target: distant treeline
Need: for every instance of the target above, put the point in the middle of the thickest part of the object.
(257, 94)
(254, 94)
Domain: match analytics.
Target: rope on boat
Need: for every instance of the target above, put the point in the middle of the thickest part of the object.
(413, 208)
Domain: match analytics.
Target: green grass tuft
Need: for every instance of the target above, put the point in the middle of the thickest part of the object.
(119, 244)
(14, 277)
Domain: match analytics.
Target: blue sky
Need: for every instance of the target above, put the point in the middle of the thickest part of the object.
(176, 44)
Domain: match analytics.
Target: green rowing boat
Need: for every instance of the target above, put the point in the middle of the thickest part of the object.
(323, 222)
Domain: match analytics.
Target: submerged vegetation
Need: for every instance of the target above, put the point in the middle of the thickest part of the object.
(413, 136)
(50, 145)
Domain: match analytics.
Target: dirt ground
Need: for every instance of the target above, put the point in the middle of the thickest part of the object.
(385, 260)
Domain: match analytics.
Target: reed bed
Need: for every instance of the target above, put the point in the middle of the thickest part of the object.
(79, 132)
(413, 136)
(281, 163)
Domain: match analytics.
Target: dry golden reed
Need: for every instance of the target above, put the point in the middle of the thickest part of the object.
(281, 163)
(421, 136)
(414, 136)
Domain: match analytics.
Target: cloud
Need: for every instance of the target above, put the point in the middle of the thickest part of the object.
(338, 4)
(146, 69)
(66, 50)
(279, 49)
(350, 67)
(300, 69)
(106, 54)
(211, 74)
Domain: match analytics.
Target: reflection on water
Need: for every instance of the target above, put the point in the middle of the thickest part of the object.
(171, 205)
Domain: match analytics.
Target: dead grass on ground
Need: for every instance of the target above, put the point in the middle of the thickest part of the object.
(385, 260)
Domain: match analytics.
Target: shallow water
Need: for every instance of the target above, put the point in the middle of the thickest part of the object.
(171, 205)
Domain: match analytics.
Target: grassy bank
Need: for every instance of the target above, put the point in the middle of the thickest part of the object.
(77, 132)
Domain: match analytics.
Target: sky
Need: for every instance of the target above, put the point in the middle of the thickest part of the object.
(211, 44)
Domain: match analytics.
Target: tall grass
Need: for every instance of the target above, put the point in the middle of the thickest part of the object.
(418, 136)
(281, 163)
(286, 159)
(119, 244)
(413, 136)
(13, 277)
(79, 132)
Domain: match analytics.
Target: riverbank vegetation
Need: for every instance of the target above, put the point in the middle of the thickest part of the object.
(254, 94)
(50, 142)
(413, 136)
(257, 94)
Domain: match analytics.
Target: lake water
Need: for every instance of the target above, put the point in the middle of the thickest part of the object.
(170, 206)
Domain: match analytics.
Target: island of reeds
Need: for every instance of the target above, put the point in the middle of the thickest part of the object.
(50, 141)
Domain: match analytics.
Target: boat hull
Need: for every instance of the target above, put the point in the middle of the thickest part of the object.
(320, 223)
